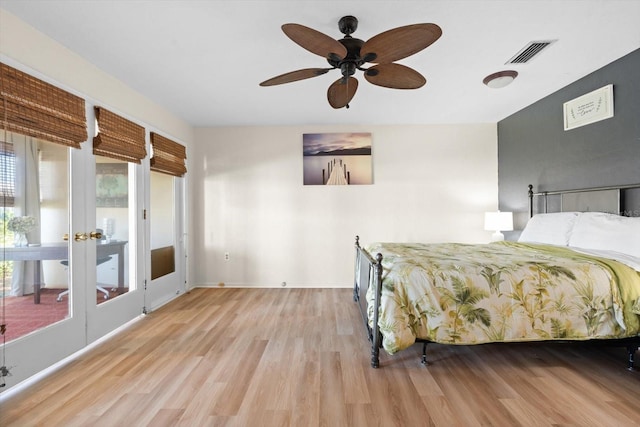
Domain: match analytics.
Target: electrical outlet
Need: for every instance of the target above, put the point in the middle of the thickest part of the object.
(226, 256)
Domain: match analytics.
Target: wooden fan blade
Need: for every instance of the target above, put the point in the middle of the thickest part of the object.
(341, 93)
(315, 41)
(400, 42)
(294, 76)
(394, 76)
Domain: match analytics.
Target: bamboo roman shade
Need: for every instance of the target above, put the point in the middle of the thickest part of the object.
(118, 138)
(29, 106)
(168, 156)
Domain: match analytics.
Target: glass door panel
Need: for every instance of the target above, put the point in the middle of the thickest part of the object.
(162, 237)
(35, 264)
(113, 213)
(165, 240)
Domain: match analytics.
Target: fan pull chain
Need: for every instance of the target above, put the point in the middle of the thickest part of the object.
(347, 106)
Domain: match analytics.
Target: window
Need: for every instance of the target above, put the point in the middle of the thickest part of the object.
(7, 173)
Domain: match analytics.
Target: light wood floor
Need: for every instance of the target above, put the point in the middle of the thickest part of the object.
(299, 357)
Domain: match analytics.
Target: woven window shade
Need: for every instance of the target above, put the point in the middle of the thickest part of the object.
(168, 156)
(118, 138)
(29, 106)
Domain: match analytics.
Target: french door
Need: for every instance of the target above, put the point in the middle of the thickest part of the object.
(114, 210)
(81, 271)
(43, 303)
(167, 242)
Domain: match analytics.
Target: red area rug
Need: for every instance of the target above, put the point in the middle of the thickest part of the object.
(22, 316)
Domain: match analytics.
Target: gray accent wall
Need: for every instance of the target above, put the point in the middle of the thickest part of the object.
(534, 148)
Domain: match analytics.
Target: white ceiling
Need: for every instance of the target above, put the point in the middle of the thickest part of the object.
(203, 60)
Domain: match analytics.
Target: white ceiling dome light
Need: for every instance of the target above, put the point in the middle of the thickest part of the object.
(500, 79)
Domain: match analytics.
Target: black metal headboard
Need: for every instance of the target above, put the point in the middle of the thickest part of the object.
(610, 199)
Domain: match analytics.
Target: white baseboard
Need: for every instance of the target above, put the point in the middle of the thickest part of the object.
(268, 286)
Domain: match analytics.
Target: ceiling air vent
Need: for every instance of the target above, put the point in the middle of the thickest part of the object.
(528, 52)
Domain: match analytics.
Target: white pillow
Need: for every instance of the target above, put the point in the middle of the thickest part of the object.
(550, 228)
(603, 231)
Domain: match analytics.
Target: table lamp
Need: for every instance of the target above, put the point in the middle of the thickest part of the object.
(498, 221)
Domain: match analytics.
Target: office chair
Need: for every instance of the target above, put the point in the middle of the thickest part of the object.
(98, 287)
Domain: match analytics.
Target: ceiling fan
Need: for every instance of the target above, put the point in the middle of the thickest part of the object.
(350, 54)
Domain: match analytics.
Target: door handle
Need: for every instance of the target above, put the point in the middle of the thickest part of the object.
(80, 237)
(95, 235)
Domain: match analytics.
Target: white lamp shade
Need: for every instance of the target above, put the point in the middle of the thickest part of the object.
(498, 221)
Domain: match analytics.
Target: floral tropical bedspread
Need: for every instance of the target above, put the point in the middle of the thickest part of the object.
(505, 291)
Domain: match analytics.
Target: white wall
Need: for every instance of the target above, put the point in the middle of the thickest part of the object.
(29, 47)
(431, 183)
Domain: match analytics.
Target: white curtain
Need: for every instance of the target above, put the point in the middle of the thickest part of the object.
(27, 202)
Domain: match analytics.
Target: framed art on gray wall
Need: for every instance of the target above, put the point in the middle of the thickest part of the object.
(589, 108)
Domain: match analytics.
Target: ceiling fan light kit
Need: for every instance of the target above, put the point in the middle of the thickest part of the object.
(500, 79)
(350, 55)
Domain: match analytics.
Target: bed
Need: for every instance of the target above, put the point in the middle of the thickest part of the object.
(571, 276)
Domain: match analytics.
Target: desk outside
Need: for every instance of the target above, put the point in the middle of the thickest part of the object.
(60, 251)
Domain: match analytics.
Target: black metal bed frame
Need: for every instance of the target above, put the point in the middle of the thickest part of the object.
(368, 274)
